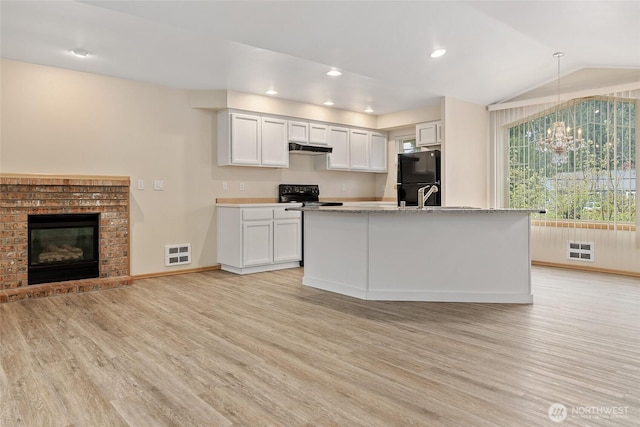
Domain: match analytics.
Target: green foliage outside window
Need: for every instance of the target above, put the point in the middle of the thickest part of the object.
(596, 181)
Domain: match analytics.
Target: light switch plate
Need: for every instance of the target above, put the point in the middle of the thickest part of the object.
(141, 184)
(158, 185)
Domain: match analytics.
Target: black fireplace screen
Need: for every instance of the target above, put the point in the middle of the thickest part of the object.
(63, 247)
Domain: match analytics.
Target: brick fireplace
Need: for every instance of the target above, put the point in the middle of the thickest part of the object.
(25, 195)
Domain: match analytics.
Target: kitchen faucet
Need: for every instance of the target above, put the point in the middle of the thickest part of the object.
(423, 197)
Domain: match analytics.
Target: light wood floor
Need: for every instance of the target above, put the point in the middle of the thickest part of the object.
(215, 349)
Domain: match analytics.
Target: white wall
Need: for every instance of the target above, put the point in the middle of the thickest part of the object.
(613, 250)
(401, 119)
(57, 121)
(465, 154)
(223, 99)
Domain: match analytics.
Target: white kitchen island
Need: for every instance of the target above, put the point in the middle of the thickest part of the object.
(410, 254)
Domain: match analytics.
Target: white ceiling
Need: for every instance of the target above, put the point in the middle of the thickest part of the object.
(497, 50)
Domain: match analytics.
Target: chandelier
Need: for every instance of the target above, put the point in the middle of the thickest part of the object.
(559, 140)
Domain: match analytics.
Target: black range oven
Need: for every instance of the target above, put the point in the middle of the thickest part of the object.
(308, 195)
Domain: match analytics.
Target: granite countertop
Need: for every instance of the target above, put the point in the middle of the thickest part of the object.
(413, 210)
(257, 205)
(244, 202)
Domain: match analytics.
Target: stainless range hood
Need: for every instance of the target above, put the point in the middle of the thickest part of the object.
(295, 148)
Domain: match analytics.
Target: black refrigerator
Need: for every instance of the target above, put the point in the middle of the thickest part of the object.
(417, 170)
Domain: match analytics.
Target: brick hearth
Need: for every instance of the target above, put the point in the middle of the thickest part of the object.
(23, 195)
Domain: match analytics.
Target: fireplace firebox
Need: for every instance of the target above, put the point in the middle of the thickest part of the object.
(63, 247)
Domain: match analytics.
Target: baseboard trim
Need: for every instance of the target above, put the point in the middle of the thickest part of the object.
(175, 272)
(586, 268)
(538, 263)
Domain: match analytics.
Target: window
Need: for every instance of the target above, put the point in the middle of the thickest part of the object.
(594, 180)
(407, 145)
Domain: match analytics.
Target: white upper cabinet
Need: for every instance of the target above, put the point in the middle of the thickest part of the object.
(378, 152)
(246, 138)
(359, 149)
(252, 140)
(275, 150)
(261, 140)
(298, 132)
(318, 133)
(355, 150)
(339, 141)
(429, 133)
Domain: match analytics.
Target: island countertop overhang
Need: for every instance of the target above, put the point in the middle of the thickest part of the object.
(411, 210)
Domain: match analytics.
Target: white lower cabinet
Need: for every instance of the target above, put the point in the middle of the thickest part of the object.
(257, 243)
(254, 238)
(286, 240)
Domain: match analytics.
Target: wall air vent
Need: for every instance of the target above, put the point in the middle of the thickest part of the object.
(177, 254)
(580, 251)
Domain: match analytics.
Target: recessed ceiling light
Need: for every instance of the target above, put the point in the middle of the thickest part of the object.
(334, 73)
(79, 52)
(328, 103)
(271, 92)
(437, 53)
(369, 110)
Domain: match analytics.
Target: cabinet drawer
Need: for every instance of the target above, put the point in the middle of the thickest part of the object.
(256, 214)
(280, 213)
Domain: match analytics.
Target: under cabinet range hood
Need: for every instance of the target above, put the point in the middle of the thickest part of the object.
(296, 148)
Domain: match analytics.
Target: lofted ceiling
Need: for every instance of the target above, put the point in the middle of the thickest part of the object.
(496, 50)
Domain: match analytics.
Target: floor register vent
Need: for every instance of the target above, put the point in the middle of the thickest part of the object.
(580, 251)
(177, 254)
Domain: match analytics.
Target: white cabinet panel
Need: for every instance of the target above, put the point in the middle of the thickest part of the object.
(283, 213)
(429, 133)
(257, 243)
(287, 237)
(378, 152)
(339, 141)
(359, 149)
(245, 139)
(275, 151)
(257, 214)
(318, 133)
(298, 132)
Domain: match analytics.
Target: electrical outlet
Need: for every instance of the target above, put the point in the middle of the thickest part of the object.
(141, 184)
(242, 186)
(344, 187)
(225, 186)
